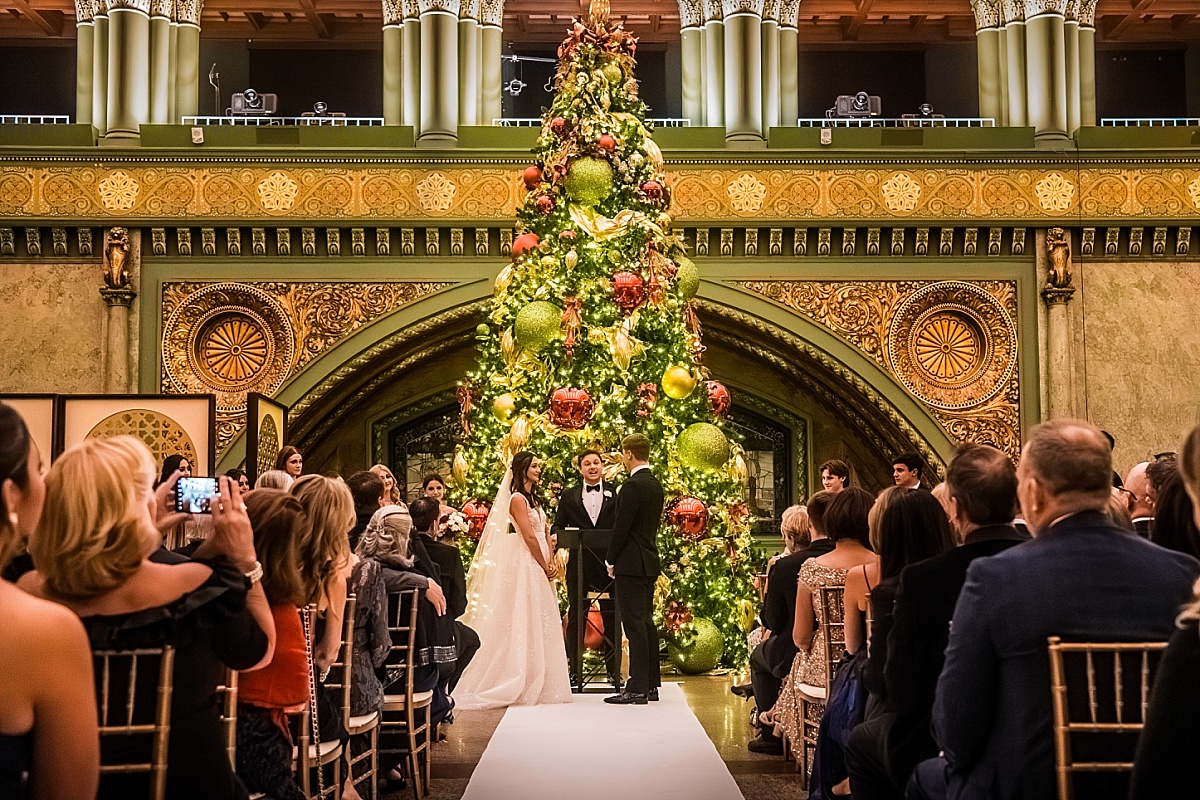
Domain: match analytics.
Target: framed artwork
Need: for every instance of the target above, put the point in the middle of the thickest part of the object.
(266, 433)
(38, 411)
(179, 423)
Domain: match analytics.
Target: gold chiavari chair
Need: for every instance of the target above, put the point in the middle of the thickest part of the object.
(229, 714)
(122, 716)
(812, 698)
(1111, 703)
(364, 724)
(311, 754)
(400, 709)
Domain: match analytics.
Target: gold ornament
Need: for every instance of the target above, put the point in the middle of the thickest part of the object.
(571, 259)
(459, 468)
(503, 278)
(504, 406)
(736, 467)
(518, 434)
(508, 347)
(678, 382)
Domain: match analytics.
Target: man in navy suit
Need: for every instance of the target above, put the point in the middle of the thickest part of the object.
(1081, 578)
(591, 506)
(633, 561)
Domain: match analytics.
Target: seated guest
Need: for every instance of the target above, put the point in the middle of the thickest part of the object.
(1081, 577)
(325, 559)
(772, 658)
(846, 525)
(291, 461)
(1118, 511)
(796, 530)
(1171, 738)
(1174, 526)
(433, 486)
(91, 549)
(49, 749)
(370, 495)
(392, 493)
(274, 479)
(239, 477)
(1139, 503)
(982, 491)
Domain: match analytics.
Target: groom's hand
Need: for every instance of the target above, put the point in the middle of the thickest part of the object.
(609, 567)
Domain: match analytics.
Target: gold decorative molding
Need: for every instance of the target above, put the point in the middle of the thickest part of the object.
(951, 344)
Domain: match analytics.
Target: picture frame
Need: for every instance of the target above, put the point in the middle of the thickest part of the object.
(266, 433)
(183, 424)
(40, 412)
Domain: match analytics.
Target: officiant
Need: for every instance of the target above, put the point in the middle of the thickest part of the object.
(590, 506)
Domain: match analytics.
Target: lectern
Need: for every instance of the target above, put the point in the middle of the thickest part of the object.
(580, 542)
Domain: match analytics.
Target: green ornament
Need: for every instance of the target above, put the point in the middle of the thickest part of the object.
(482, 331)
(613, 73)
(537, 324)
(702, 446)
(589, 180)
(702, 653)
(688, 277)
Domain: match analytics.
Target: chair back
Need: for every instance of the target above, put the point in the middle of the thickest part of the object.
(123, 692)
(1100, 691)
(229, 716)
(402, 625)
(341, 673)
(833, 618)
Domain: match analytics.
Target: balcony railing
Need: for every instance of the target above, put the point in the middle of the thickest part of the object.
(896, 122)
(1150, 122)
(536, 122)
(337, 122)
(34, 119)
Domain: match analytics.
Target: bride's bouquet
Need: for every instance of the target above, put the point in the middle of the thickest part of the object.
(452, 524)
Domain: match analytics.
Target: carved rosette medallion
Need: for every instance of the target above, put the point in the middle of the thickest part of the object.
(900, 192)
(1054, 192)
(277, 191)
(163, 435)
(118, 191)
(435, 192)
(952, 344)
(1194, 192)
(746, 193)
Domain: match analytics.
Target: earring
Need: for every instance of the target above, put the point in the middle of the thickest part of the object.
(12, 519)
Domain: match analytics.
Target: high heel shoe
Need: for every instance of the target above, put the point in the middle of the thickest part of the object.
(745, 690)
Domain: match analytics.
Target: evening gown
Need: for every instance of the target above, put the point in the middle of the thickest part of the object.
(522, 659)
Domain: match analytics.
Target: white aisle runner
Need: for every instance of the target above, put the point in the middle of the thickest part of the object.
(590, 750)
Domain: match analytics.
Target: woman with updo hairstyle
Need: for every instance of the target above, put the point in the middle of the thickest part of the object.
(392, 495)
(91, 550)
(49, 748)
(274, 479)
(291, 461)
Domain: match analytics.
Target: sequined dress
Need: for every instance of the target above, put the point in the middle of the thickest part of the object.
(807, 667)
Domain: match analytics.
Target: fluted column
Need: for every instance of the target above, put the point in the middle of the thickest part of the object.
(85, 30)
(987, 45)
(173, 71)
(393, 85)
(691, 47)
(743, 70)
(410, 72)
(160, 60)
(714, 64)
(1057, 295)
(1086, 15)
(789, 62)
(770, 65)
(1014, 37)
(491, 69)
(439, 70)
(128, 67)
(100, 67)
(187, 57)
(1046, 67)
(468, 62)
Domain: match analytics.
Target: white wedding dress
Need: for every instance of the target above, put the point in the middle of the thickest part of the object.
(522, 659)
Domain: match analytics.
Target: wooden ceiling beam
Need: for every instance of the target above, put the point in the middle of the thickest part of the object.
(1139, 8)
(315, 19)
(51, 22)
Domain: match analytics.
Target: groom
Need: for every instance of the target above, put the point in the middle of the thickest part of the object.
(633, 561)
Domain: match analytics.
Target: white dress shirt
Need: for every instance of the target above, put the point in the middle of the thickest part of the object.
(593, 500)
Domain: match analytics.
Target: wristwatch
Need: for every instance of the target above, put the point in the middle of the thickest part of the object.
(255, 575)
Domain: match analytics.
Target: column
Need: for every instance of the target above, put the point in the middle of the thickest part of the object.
(100, 67)
(1014, 37)
(410, 73)
(491, 48)
(118, 294)
(714, 64)
(468, 62)
(393, 85)
(1002, 42)
(128, 67)
(770, 66)
(987, 45)
(1086, 15)
(743, 70)
(187, 57)
(1046, 69)
(160, 60)
(439, 71)
(173, 71)
(691, 48)
(1057, 295)
(789, 62)
(85, 29)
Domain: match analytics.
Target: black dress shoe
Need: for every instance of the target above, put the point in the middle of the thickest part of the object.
(772, 746)
(627, 699)
(743, 690)
(652, 695)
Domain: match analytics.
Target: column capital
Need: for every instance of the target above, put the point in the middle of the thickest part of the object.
(987, 14)
(1053, 296)
(1035, 8)
(189, 11)
(468, 9)
(770, 10)
(129, 5)
(714, 11)
(85, 11)
(491, 12)
(412, 8)
(118, 297)
(393, 12)
(1012, 11)
(691, 13)
(731, 7)
(789, 13)
(162, 8)
(439, 6)
(1086, 13)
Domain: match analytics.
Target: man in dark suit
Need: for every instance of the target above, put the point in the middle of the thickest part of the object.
(1139, 499)
(633, 561)
(883, 751)
(771, 661)
(908, 471)
(1082, 578)
(591, 506)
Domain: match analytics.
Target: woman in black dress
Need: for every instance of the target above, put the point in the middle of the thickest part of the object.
(91, 549)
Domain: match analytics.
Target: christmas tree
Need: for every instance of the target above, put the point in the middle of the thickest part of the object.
(592, 335)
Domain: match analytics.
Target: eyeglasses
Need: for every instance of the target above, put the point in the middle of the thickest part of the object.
(1123, 490)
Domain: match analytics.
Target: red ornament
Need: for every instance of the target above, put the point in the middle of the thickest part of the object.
(606, 143)
(718, 397)
(568, 234)
(689, 516)
(476, 512)
(523, 244)
(571, 408)
(629, 290)
(677, 615)
(533, 176)
(653, 190)
(558, 124)
(545, 204)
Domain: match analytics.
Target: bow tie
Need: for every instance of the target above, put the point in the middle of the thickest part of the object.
(595, 488)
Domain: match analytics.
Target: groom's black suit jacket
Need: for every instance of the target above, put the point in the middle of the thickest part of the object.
(639, 508)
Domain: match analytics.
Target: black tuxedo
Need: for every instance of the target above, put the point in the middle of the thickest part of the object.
(447, 564)
(633, 552)
(572, 513)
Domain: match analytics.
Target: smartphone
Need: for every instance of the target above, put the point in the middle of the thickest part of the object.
(195, 495)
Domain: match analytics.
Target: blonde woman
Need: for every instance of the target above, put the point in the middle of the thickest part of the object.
(92, 549)
(324, 553)
(274, 479)
(391, 489)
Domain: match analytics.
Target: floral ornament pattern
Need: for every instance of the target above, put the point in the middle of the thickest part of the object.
(746, 193)
(1054, 192)
(277, 192)
(901, 192)
(436, 192)
(1194, 191)
(119, 191)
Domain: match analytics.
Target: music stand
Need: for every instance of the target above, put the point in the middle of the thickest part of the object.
(578, 542)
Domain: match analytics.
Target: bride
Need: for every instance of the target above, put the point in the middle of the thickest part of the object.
(511, 603)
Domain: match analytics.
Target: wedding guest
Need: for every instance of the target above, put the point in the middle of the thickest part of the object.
(49, 748)
(1171, 738)
(91, 549)
(173, 464)
(240, 477)
(992, 716)
(1162, 467)
(1175, 526)
(835, 475)
(370, 495)
(796, 530)
(1118, 511)
(433, 486)
(1139, 503)
(391, 488)
(174, 467)
(291, 461)
(908, 471)
(324, 555)
(274, 479)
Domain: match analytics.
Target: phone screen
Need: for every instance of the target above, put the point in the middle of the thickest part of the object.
(195, 495)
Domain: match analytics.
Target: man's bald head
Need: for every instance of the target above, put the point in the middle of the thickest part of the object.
(1069, 456)
(1137, 491)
